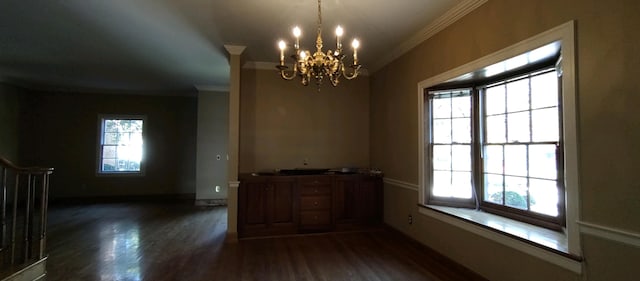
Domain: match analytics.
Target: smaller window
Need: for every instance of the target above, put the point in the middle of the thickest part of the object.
(121, 144)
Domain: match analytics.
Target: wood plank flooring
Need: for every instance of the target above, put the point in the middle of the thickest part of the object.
(178, 241)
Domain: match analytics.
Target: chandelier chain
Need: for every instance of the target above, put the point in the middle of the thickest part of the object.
(319, 38)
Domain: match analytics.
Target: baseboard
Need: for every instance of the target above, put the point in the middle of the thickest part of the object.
(211, 202)
(178, 197)
(442, 259)
(32, 272)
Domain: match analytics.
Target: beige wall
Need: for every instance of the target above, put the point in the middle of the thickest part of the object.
(282, 123)
(9, 118)
(62, 133)
(212, 138)
(608, 47)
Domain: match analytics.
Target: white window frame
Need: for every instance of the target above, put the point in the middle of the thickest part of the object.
(565, 34)
(101, 118)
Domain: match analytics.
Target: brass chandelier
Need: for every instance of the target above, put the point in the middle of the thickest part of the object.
(319, 65)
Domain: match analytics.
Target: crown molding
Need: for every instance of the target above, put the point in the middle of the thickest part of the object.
(442, 22)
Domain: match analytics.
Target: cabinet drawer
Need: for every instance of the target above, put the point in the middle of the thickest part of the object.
(310, 218)
(315, 190)
(315, 202)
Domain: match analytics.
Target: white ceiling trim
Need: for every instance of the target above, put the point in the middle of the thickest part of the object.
(448, 18)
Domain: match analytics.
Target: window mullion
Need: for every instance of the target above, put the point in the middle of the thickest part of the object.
(451, 142)
(477, 150)
(528, 146)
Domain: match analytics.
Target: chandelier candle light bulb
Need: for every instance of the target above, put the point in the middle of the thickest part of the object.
(282, 45)
(339, 33)
(296, 33)
(318, 65)
(355, 44)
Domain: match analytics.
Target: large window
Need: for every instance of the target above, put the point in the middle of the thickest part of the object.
(121, 144)
(496, 145)
(524, 147)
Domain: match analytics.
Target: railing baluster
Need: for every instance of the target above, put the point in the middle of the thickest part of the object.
(18, 247)
(43, 214)
(14, 219)
(3, 193)
(27, 219)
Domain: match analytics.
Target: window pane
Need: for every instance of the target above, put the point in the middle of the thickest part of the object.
(518, 125)
(108, 164)
(496, 129)
(110, 138)
(461, 155)
(494, 100)
(516, 192)
(442, 131)
(441, 107)
(461, 187)
(110, 126)
(442, 157)
(461, 106)
(461, 130)
(515, 160)
(493, 159)
(545, 124)
(493, 187)
(518, 95)
(108, 151)
(544, 197)
(544, 90)
(542, 161)
(442, 183)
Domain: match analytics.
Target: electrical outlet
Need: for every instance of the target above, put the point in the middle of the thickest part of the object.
(410, 219)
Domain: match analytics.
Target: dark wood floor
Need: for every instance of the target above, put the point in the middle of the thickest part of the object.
(174, 241)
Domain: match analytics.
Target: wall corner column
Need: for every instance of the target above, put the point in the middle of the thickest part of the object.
(235, 53)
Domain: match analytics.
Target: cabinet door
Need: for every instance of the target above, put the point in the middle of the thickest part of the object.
(266, 207)
(344, 197)
(368, 203)
(254, 208)
(282, 205)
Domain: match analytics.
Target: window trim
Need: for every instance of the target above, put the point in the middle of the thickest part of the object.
(565, 34)
(99, 130)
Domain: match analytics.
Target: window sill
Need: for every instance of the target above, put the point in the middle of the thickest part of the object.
(120, 174)
(543, 243)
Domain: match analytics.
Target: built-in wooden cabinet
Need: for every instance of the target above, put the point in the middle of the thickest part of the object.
(315, 203)
(276, 205)
(267, 206)
(357, 201)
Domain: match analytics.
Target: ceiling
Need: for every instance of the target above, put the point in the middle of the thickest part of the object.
(160, 45)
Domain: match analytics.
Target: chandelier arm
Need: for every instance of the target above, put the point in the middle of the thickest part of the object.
(283, 71)
(353, 75)
(284, 76)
